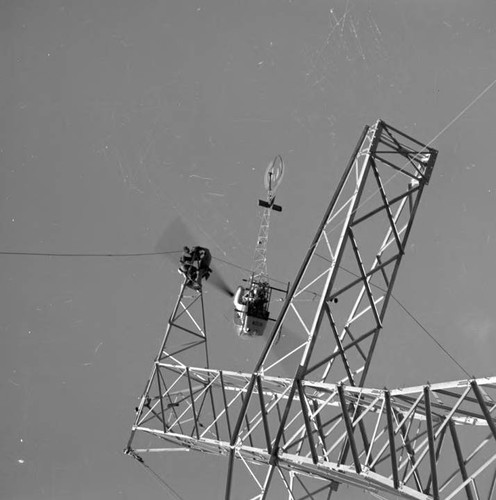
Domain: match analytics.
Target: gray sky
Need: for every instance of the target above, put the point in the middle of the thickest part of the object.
(119, 116)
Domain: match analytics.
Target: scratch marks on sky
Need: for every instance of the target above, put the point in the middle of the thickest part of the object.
(161, 148)
(341, 66)
(166, 151)
(353, 36)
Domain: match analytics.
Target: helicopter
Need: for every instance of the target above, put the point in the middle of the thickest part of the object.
(251, 302)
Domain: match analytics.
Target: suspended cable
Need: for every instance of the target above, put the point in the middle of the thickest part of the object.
(231, 264)
(129, 451)
(246, 269)
(416, 321)
(462, 112)
(54, 254)
(138, 254)
(441, 132)
(169, 488)
(431, 336)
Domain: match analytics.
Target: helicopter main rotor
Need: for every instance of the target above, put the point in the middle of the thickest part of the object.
(177, 234)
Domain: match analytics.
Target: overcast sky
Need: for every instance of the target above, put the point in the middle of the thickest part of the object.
(118, 116)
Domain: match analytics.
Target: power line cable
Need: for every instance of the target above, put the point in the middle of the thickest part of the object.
(57, 254)
(136, 254)
(246, 269)
(441, 132)
(431, 336)
(163, 482)
(129, 451)
(424, 329)
(231, 264)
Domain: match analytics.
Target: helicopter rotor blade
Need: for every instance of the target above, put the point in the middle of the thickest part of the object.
(218, 282)
(175, 236)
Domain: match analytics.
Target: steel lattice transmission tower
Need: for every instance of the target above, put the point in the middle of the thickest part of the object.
(301, 437)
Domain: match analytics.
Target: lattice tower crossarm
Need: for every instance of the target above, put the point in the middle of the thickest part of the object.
(425, 442)
(307, 434)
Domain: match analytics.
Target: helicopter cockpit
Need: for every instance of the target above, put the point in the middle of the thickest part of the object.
(251, 309)
(195, 265)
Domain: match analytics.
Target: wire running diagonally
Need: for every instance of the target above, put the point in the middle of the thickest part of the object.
(162, 481)
(424, 329)
(441, 132)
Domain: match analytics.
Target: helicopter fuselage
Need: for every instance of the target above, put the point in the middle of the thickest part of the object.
(251, 309)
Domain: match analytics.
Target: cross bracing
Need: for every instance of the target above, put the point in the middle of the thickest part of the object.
(303, 436)
(433, 441)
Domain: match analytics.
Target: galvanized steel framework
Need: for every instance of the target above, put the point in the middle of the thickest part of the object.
(301, 437)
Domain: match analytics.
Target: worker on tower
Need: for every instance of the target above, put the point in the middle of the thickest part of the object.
(186, 261)
(195, 265)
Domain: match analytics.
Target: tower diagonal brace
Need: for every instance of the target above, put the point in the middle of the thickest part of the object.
(350, 268)
(172, 392)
